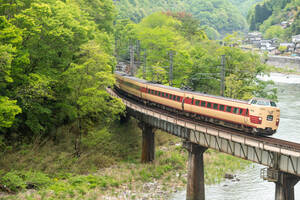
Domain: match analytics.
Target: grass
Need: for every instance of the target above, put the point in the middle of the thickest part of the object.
(283, 70)
(109, 167)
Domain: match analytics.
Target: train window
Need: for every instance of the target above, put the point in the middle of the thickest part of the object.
(149, 91)
(235, 110)
(222, 107)
(163, 94)
(155, 92)
(152, 91)
(273, 104)
(178, 98)
(193, 101)
(262, 103)
(208, 104)
(241, 111)
(215, 106)
(203, 103)
(158, 93)
(197, 102)
(170, 96)
(228, 108)
(174, 97)
(247, 112)
(167, 95)
(253, 101)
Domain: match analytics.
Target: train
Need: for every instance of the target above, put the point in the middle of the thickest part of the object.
(257, 116)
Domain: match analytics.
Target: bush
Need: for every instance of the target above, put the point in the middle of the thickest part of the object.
(18, 180)
(282, 48)
(176, 160)
(37, 180)
(13, 181)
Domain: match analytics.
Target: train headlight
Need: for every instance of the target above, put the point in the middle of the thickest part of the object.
(259, 118)
(277, 122)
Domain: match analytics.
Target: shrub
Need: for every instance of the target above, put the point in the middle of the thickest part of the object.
(13, 182)
(37, 180)
(176, 160)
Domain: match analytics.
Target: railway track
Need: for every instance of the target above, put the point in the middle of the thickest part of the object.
(265, 139)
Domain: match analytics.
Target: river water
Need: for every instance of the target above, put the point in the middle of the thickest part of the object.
(251, 186)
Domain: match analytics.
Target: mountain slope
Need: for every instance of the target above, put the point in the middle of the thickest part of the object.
(219, 15)
(274, 16)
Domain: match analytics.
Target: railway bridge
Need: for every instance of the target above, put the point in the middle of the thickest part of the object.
(282, 158)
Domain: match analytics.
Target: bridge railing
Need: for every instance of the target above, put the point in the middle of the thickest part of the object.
(246, 147)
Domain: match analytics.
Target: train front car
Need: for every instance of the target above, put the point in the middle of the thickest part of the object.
(132, 86)
(264, 116)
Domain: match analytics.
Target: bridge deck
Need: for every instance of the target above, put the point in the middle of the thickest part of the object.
(275, 153)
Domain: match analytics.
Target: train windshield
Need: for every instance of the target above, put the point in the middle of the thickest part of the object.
(263, 102)
(273, 104)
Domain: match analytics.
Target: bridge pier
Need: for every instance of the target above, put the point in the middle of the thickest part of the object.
(195, 182)
(285, 186)
(148, 144)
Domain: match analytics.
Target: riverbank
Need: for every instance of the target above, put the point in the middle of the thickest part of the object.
(285, 62)
(118, 175)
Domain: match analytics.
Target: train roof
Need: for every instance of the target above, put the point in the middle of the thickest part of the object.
(180, 90)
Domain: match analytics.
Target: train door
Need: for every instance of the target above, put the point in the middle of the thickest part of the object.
(246, 116)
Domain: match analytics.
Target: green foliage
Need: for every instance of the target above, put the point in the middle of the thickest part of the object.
(268, 15)
(8, 111)
(282, 48)
(274, 32)
(37, 180)
(211, 33)
(55, 63)
(244, 5)
(176, 160)
(13, 181)
(158, 32)
(196, 60)
(221, 15)
(93, 181)
(101, 11)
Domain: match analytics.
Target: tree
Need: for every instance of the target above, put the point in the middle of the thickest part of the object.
(40, 42)
(274, 32)
(8, 111)
(87, 80)
(159, 35)
(101, 11)
(221, 15)
(8, 38)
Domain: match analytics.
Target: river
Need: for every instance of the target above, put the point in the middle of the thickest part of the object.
(251, 186)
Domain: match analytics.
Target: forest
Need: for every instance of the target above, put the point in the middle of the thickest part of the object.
(218, 17)
(57, 122)
(268, 16)
(56, 61)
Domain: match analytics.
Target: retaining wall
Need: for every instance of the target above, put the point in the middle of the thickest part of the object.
(285, 62)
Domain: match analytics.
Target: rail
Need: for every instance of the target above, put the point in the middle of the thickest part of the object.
(271, 152)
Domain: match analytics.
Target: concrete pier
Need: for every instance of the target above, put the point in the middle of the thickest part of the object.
(195, 182)
(285, 186)
(148, 145)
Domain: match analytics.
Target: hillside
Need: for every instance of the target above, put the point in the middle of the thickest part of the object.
(244, 5)
(276, 18)
(219, 16)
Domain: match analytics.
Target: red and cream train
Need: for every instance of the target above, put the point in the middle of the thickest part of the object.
(257, 116)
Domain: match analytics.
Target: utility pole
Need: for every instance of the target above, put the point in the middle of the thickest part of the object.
(171, 69)
(131, 59)
(145, 64)
(138, 62)
(222, 74)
